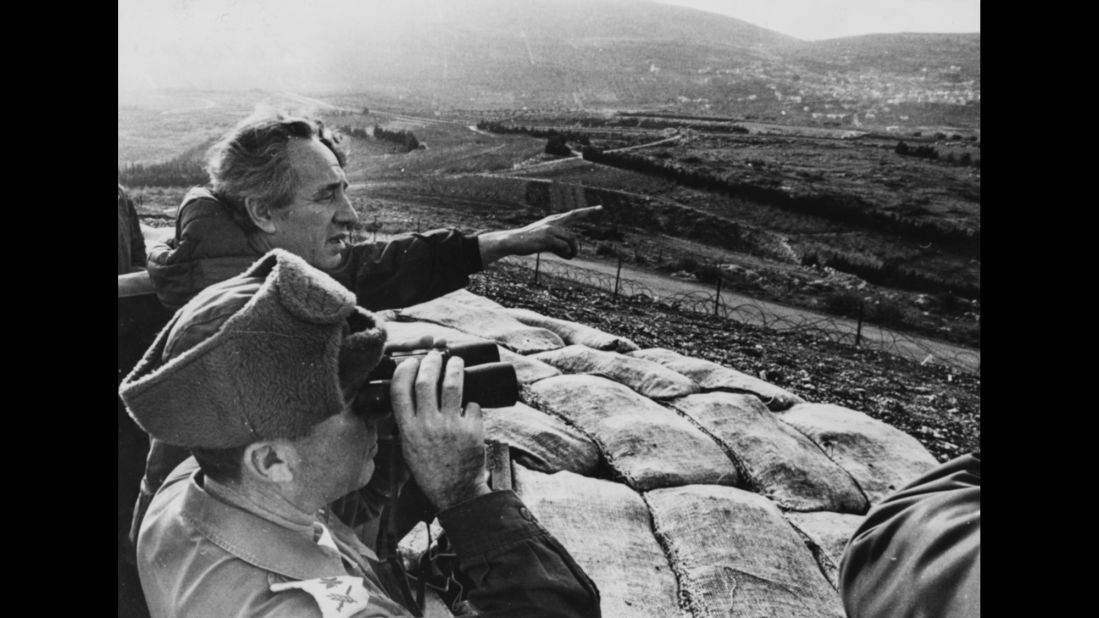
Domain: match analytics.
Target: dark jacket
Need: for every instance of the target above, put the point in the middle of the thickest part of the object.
(199, 555)
(210, 246)
(131, 244)
(918, 553)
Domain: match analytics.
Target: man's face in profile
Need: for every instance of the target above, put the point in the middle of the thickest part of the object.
(317, 223)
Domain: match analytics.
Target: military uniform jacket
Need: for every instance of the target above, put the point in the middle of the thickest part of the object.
(201, 556)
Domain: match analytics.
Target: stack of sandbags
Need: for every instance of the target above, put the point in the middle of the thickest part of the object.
(484, 321)
(827, 535)
(711, 376)
(540, 441)
(644, 442)
(777, 460)
(573, 332)
(737, 556)
(646, 377)
(605, 527)
(880, 458)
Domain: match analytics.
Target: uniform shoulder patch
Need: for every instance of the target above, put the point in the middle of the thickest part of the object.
(338, 597)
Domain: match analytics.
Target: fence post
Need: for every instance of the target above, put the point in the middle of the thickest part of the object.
(858, 329)
(417, 225)
(717, 297)
(537, 265)
(617, 276)
(375, 228)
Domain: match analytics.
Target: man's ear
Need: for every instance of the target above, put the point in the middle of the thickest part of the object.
(273, 461)
(260, 214)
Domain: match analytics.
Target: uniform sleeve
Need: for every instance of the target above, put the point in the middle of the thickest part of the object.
(517, 567)
(918, 553)
(409, 270)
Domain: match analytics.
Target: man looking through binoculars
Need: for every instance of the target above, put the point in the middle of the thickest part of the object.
(278, 182)
(256, 376)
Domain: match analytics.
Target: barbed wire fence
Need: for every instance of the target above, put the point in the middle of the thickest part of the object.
(714, 304)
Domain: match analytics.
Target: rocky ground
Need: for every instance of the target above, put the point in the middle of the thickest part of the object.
(939, 406)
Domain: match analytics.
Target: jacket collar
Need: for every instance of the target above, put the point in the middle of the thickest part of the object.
(261, 542)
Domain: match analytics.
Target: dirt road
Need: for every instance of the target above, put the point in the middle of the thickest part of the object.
(755, 311)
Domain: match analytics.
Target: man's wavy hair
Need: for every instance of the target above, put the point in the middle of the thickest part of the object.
(251, 161)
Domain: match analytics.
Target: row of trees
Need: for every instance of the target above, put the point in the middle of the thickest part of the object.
(846, 208)
(891, 274)
(569, 136)
(405, 139)
(930, 152)
(400, 137)
(174, 173)
(355, 131)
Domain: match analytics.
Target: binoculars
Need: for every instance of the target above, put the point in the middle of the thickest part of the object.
(486, 381)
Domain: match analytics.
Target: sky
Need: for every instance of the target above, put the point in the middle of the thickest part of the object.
(155, 34)
(813, 20)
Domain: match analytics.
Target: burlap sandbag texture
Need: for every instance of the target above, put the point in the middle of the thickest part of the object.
(646, 377)
(778, 461)
(737, 556)
(605, 527)
(486, 322)
(880, 458)
(712, 376)
(647, 444)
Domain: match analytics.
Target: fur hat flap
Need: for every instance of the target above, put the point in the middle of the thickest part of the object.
(310, 294)
(361, 351)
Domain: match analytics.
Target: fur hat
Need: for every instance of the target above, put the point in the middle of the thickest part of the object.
(264, 355)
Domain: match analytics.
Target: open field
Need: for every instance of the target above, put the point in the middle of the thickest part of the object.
(768, 246)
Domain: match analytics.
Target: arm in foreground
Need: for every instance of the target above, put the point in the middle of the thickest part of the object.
(918, 553)
(518, 568)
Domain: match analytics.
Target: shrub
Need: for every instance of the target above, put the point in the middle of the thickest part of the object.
(688, 264)
(708, 273)
(845, 303)
(555, 145)
(888, 314)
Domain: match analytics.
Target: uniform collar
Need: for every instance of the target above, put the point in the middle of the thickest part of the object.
(262, 542)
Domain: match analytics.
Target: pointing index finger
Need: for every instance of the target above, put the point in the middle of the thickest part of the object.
(581, 212)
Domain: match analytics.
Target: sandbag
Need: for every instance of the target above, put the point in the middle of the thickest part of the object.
(880, 458)
(466, 297)
(735, 555)
(646, 377)
(403, 330)
(527, 368)
(712, 376)
(647, 444)
(605, 527)
(486, 322)
(827, 534)
(574, 332)
(777, 460)
(541, 442)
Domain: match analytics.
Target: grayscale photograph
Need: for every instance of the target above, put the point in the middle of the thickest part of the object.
(549, 308)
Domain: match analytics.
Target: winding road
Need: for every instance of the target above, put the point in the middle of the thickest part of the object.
(758, 312)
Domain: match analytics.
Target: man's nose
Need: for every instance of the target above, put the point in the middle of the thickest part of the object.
(347, 214)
